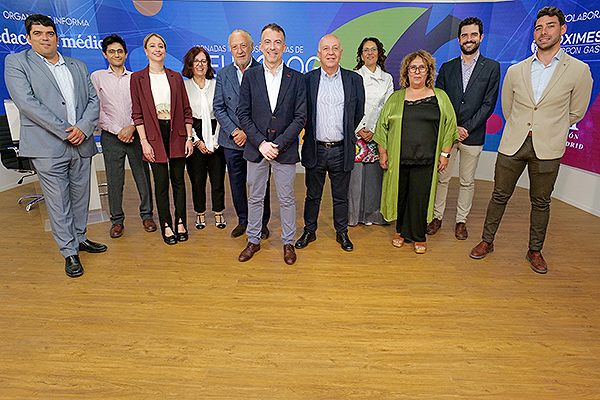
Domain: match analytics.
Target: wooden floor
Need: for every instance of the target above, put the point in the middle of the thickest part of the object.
(151, 321)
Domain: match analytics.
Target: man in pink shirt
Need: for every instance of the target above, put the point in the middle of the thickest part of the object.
(119, 137)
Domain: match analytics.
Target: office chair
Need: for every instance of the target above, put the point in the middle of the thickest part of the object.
(9, 152)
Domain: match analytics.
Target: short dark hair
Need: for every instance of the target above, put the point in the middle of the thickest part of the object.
(470, 21)
(273, 27)
(38, 19)
(381, 57)
(188, 63)
(114, 38)
(551, 12)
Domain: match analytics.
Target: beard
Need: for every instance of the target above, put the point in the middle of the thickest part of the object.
(467, 51)
(547, 45)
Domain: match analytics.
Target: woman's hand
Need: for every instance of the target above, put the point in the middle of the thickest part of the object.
(366, 135)
(442, 163)
(148, 150)
(189, 148)
(383, 160)
(202, 147)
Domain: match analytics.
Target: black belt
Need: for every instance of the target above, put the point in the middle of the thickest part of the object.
(330, 145)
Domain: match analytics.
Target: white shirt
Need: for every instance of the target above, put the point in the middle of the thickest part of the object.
(541, 74)
(379, 86)
(63, 77)
(273, 84)
(161, 92)
(201, 102)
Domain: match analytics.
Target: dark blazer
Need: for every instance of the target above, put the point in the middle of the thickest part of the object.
(282, 126)
(144, 112)
(41, 105)
(227, 93)
(477, 103)
(354, 108)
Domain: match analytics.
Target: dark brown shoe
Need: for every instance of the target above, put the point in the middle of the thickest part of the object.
(289, 254)
(538, 264)
(461, 231)
(149, 225)
(434, 226)
(248, 252)
(481, 250)
(116, 230)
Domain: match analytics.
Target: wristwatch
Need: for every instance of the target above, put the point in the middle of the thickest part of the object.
(447, 155)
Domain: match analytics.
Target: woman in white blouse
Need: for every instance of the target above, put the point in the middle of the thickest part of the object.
(209, 160)
(364, 195)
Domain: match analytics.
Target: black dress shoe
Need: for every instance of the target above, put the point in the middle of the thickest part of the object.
(344, 240)
(182, 236)
(264, 233)
(305, 239)
(73, 266)
(238, 230)
(92, 247)
(170, 239)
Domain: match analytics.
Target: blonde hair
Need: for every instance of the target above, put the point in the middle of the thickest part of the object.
(427, 59)
(154, 34)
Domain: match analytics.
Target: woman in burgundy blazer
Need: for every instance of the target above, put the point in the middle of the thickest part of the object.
(163, 118)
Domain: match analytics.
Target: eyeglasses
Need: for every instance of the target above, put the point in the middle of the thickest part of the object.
(113, 51)
(415, 68)
(368, 49)
(200, 62)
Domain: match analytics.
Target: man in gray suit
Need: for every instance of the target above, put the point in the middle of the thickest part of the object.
(232, 138)
(59, 111)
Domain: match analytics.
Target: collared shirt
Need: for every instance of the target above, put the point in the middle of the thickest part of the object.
(63, 77)
(330, 108)
(239, 72)
(273, 84)
(115, 99)
(467, 70)
(541, 74)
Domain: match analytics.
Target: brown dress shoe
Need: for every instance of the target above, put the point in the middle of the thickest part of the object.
(538, 264)
(149, 225)
(461, 231)
(289, 254)
(249, 251)
(116, 230)
(434, 226)
(481, 250)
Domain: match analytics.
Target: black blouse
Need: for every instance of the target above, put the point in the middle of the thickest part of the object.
(420, 126)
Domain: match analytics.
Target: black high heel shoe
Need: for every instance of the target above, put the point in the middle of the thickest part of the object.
(168, 239)
(181, 236)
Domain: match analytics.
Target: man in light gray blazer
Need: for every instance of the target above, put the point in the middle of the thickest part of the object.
(542, 97)
(59, 110)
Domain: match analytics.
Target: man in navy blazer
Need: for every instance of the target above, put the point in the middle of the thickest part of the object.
(336, 102)
(472, 83)
(272, 112)
(232, 138)
(59, 110)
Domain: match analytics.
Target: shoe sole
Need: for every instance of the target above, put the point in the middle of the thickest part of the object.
(461, 238)
(74, 275)
(116, 236)
(200, 226)
(539, 271)
(480, 257)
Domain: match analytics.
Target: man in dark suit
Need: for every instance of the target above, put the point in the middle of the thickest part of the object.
(232, 138)
(472, 82)
(336, 102)
(59, 111)
(272, 112)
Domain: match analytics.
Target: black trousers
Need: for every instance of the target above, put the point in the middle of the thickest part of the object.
(199, 167)
(414, 188)
(329, 160)
(172, 171)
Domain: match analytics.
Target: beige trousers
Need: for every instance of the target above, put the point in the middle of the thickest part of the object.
(469, 157)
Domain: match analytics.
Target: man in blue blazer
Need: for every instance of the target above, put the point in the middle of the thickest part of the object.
(232, 138)
(336, 102)
(272, 112)
(472, 83)
(59, 110)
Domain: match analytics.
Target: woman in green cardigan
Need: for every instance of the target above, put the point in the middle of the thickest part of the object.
(414, 134)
